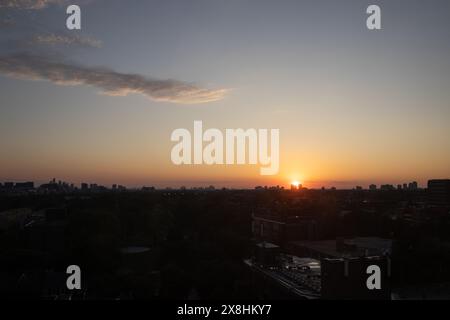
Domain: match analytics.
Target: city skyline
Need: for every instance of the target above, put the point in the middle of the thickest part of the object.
(292, 185)
(353, 106)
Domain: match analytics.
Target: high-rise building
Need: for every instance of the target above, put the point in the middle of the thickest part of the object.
(24, 185)
(413, 185)
(9, 185)
(439, 192)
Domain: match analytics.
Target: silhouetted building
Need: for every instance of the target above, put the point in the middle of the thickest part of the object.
(296, 186)
(25, 186)
(46, 231)
(413, 185)
(283, 276)
(339, 248)
(346, 278)
(282, 230)
(266, 253)
(439, 192)
(9, 185)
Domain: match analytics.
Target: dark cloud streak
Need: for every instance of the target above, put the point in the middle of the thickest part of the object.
(28, 4)
(33, 67)
(59, 39)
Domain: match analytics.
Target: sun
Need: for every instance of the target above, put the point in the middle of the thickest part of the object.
(295, 183)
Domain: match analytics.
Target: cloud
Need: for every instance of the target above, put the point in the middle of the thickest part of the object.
(28, 4)
(32, 67)
(7, 22)
(53, 39)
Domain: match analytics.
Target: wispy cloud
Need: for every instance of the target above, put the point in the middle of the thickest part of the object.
(28, 4)
(54, 39)
(32, 67)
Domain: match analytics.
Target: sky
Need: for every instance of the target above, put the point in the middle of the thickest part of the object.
(353, 106)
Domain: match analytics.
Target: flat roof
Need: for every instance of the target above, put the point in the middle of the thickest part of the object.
(134, 249)
(267, 245)
(328, 247)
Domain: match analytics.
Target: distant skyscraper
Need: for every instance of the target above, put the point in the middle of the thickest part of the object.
(9, 185)
(24, 185)
(413, 185)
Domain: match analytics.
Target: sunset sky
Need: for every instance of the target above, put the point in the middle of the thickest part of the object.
(353, 106)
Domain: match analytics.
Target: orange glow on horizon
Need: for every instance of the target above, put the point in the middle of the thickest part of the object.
(295, 183)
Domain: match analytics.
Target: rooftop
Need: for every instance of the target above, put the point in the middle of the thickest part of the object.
(360, 246)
